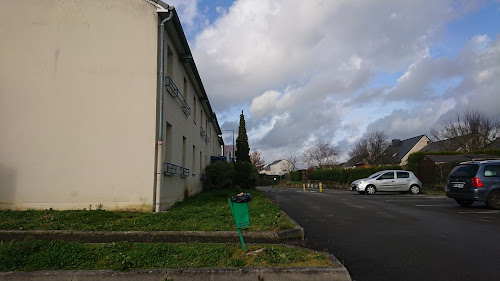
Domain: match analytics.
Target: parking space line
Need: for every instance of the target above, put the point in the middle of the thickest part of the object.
(481, 212)
(433, 205)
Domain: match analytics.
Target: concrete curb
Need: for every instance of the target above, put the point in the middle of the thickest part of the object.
(85, 275)
(337, 272)
(293, 236)
(219, 274)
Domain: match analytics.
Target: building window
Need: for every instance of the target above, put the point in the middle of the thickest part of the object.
(193, 163)
(185, 89)
(167, 148)
(201, 165)
(183, 152)
(170, 63)
(194, 108)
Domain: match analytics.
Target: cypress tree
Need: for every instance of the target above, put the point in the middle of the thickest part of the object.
(242, 152)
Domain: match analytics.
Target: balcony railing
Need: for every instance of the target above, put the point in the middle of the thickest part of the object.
(203, 133)
(175, 93)
(172, 169)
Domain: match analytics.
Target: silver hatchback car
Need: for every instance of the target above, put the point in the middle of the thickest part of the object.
(388, 180)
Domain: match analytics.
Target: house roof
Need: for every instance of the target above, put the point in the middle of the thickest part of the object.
(452, 144)
(459, 158)
(355, 160)
(494, 144)
(397, 150)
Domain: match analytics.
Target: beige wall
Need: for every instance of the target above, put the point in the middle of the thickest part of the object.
(175, 187)
(78, 93)
(420, 144)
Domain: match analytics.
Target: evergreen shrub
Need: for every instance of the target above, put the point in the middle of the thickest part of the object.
(296, 175)
(218, 176)
(246, 174)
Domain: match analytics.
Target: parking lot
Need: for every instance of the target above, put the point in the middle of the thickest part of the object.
(392, 236)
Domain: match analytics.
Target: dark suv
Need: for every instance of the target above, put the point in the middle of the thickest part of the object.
(475, 181)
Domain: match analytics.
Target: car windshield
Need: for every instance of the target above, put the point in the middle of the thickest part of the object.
(464, 171)
(375, 175)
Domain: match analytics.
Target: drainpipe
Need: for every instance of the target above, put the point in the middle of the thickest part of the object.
(159, 141)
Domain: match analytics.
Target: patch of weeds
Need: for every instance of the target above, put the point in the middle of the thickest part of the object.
(207, 211)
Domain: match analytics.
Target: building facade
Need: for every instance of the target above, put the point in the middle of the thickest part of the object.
(101, 104)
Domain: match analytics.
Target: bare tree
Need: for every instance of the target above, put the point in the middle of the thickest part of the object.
(321, 154)
(370, 146)
(469, 132)
(291, 165)
(294, 161)
(256, 159)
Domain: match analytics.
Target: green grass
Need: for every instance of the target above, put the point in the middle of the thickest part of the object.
(32, 255)
(207, 211)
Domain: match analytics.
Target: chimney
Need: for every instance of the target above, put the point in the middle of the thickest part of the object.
(395, 142)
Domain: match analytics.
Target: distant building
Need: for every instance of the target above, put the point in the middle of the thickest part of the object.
(434, 169)
(494, 144)
(230, 152)
(357, 162)
(398, 151)
(100, 105)
(277, 168)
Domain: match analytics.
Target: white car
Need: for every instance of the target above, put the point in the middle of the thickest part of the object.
(388, 180)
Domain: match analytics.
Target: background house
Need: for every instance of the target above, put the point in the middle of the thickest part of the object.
(100, 104)
(279, 167)
(357, 162)
(398, 151)
(230, 152)
(494, 144)
(434, 169)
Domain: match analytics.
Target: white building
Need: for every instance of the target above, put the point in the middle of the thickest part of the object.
(277, 168)
(101, 104)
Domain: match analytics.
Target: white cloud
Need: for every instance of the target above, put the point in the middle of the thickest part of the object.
(304, 69)
(187, 9)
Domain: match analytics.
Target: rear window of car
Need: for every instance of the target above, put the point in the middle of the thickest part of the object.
(403, 175)
(464, 171)
(492, 171)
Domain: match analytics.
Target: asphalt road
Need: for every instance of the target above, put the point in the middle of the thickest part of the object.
(392, 236)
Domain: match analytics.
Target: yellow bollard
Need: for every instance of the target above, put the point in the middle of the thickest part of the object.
(304, 187)
(320, 187)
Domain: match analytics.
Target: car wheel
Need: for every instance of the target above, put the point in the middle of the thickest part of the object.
(464, 202)
(494, 200)
(414, 189)
(370, 189)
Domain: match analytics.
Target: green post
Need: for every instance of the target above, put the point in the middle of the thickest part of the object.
(241, 217)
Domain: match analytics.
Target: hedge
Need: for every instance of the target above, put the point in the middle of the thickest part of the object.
(416, 157)
(296, 175)
(342, 175)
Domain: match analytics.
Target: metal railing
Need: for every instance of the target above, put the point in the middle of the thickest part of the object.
(175, 93)
(172, 169)
(203, 133)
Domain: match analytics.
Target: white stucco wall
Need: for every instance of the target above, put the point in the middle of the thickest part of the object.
(78, 93)
(278, 169)
(174, 187)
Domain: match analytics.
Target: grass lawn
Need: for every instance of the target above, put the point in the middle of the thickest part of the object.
(207, 211)
(32, 255)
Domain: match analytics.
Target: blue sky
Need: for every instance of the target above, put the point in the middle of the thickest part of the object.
(304, 71)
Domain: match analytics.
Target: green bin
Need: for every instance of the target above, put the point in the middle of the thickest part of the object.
(240, 214)
(241, 218)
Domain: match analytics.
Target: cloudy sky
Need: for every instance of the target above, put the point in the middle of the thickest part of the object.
(333, 70)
